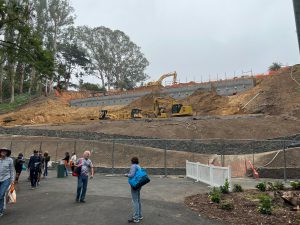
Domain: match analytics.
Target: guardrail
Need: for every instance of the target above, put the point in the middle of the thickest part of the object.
(214, 176)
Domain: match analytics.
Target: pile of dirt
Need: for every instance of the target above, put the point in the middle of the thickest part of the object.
(278, 95)
(146, 103)
(210, 103)
(51, 110)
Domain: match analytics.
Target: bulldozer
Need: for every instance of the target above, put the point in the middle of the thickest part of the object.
(160, 80)
(136, 114)
(103, 115)
(177, 109)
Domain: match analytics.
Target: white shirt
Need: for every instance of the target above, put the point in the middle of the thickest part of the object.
(74, 158)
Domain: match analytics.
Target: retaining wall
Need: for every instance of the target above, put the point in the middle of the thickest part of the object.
(225, 88)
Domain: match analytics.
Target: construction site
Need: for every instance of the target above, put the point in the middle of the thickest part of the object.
(226, 123)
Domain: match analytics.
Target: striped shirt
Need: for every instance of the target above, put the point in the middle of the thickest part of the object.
(7, 169)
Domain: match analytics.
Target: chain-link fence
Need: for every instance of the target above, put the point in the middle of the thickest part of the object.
(272, 158)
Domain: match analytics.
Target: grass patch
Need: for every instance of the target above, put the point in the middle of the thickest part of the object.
(19, 101)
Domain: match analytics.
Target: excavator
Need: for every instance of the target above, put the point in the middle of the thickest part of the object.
(177, 109)
(160, 80)
(136, 114)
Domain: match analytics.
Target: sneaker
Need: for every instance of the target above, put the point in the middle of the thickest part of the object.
(32, 188)
(134, 221)
(82, 201)
(1, 214)
(141, 218)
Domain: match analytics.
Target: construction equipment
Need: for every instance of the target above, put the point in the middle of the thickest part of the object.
(177, 109)
(160, 80)
(136, 114)
(181, 110)
(103, 115)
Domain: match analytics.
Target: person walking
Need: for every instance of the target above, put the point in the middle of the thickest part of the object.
(7, 175)
(66, 162)
(19, 166)
(73, 161)
(45, 163)
(41, 167)
(34, 168)
(135, 194)
(84, 165)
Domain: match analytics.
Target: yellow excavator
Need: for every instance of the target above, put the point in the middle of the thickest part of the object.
(136, 114)
(160, 80)
(177, 109)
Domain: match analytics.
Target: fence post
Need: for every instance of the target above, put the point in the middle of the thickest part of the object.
(11, 143)
(229, 178)
(252, 154)
(56, 151)
(211, 175)
(41, 143)
(165, 161)
(113, 158)
(284, 158)
(186, 168)
(198, 172)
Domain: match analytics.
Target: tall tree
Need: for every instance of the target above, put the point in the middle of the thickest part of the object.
(118, 60)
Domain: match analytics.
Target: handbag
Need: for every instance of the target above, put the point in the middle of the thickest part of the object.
(139, 179)
(11, 195)
(77, 170)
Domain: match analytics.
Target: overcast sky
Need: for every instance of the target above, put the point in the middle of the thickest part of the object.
(201, 38)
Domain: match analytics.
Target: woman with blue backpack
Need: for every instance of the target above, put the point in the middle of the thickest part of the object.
(137, 177)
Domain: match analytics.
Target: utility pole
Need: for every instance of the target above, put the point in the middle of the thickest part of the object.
(297, 18)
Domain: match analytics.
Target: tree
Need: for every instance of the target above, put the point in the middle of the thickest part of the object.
(118, 61)
(91, 87)
(275, 66)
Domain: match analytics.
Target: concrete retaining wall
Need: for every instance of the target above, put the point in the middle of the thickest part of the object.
(225, 88)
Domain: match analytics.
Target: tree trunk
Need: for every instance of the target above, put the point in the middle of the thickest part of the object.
(33, 71)
(22, 72)
(12, 71)
(1, 83)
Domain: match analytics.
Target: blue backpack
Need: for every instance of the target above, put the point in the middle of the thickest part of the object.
(140, 178)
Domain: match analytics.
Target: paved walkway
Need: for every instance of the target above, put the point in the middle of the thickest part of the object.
(108, 203)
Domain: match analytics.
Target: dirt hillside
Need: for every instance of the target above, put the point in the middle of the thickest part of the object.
(279, 95)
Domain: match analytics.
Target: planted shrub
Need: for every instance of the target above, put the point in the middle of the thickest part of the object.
(295, 185)
(225, 188)
(262, 186)
(265, 204)
(227, 205)
(237, 188)
(278, 185)
(215, 195)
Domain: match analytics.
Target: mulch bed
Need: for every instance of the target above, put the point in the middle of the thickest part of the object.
(245, 209)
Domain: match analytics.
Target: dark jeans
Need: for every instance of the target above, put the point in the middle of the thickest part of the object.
(3, 188)
(46, 170)
(82, 187)
(34, 173)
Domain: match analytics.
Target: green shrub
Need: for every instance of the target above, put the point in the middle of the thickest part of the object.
(225, 188)
(265, 204)
(215, 195)
(237, 188)
(227, 205)
(262, 186)
(295, 185)
(278, 185)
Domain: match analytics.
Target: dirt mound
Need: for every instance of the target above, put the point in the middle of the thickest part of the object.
(51, 110)
(210, 103)
(278, 95)
(146, 103)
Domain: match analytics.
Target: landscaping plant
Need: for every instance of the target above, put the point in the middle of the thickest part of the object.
(295, 185)
(237, 188)
(278, 185)
(265, 204)
(225, 188)
(262, 186)
(215, 195)
(227, 205)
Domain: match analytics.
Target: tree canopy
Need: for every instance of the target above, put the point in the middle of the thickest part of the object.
(41, 48)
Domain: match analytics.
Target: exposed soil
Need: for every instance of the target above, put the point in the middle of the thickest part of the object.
(245, 209)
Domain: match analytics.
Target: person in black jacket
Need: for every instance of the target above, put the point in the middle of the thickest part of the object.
(66, 162)
(45, 163)
(19, 166)
(34, 168)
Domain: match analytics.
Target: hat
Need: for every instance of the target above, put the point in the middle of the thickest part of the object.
(6, 150)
